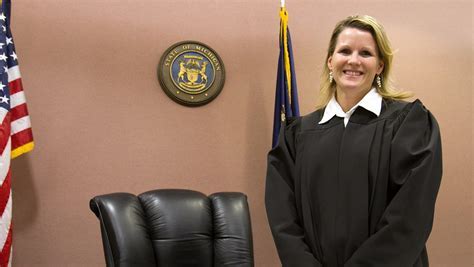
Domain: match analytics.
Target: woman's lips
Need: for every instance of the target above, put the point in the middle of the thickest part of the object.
(352, 72)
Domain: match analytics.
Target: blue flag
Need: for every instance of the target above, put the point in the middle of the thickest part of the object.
(286, 95)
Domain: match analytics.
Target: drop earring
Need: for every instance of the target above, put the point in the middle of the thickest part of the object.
(379, 81)
(330, 77)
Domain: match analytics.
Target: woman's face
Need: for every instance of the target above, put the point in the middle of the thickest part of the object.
(355, 61)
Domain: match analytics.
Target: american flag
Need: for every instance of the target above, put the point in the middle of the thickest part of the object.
(16, 137)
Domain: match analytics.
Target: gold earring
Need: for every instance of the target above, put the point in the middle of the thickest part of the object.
(379, 81)
(330, 77)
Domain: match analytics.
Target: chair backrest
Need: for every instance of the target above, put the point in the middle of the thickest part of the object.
(175, 227)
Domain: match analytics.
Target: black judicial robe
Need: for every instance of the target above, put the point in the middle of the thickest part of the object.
(360, 195)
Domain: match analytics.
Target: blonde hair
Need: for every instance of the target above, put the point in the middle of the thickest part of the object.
(384, 50)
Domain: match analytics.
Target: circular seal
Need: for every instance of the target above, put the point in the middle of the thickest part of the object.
(191, 73)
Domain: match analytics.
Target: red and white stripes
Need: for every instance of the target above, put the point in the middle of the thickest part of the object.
(15, 139)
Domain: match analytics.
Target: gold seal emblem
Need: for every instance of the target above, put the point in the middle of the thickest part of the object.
(191, 73)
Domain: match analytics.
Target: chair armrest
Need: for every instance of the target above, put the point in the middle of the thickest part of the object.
(124, 232)
(233, 245)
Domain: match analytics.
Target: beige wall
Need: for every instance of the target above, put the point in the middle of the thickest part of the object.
(102, 123)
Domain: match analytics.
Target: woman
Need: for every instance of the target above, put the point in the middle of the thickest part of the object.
(355, 182)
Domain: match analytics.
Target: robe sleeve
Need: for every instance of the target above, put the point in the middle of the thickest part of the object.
(415, 176)
(281, 204)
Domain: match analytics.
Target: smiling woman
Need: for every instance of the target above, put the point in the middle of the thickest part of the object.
(355, 182)
(354, 65)
(364, 26)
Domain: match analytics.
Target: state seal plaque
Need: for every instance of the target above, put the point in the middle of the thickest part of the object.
(191, 73)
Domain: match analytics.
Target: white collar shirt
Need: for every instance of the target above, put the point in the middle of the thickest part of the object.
(372, 102)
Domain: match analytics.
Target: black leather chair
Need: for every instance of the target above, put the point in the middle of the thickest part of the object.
(174, 227)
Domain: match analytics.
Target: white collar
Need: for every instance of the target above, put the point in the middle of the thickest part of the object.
(372, 101)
